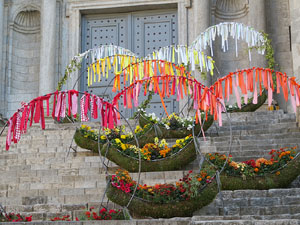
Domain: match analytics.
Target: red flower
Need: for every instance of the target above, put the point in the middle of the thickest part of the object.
(28, 218)
(77, 219)
(112, 211)
(103, 210)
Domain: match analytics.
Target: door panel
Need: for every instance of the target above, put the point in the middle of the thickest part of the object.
(142, 33)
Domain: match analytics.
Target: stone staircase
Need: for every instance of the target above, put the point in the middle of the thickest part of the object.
(38, 177)
(253, 134)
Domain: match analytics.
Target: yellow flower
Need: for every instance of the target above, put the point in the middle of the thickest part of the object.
(83, 126)
(117, 140)
(156, 140)
(123, 146)
(123, 136)
(138, 129)
(103, 137)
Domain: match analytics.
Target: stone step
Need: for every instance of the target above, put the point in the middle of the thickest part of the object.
(263, 136)
(248, 222)
(254, 202)
(247, 217)
(255, 142)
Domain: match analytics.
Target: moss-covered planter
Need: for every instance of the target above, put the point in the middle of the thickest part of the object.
(145, 208)
(86, 143)
(178, 133)
(250, 107)
(287, 175)
(174, 162)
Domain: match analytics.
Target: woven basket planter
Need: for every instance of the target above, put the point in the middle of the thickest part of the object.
(145, 208)
(287, 175)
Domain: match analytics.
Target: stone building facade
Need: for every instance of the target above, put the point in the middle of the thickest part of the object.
(39, 37)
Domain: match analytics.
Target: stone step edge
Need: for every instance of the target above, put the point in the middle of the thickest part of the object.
(249, 222)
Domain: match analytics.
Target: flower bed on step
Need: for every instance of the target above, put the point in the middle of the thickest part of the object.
(157, 156)
(174, 126)
(87, 138)
(191, 193)
(277, 172)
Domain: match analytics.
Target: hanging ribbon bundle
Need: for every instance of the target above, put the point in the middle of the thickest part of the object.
(34, 112)
(182, 54)
(237, 31)
(169, 85)
(138, 69)
(103, 66)
(254, 80)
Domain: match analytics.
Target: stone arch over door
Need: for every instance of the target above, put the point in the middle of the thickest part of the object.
(24, 57)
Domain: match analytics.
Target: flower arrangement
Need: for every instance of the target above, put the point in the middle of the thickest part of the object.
(12, 217)
(175, 126)
(151, 151)
(103, 214)
(260, 174)
(252, 167)
(156, 155)
(164, 200)
(87, 138)
(186, 188)
(118, 132)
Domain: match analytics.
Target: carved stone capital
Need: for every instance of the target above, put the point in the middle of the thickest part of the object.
(230, 9)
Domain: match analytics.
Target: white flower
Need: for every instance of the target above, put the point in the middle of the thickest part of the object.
(230, 106)
(167, 127)
(189, 127)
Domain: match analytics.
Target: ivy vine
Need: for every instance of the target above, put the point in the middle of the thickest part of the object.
(74, 65)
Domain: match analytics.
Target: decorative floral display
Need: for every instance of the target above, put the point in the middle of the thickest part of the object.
(151, 151)
(12, 217)
(261, 166)
(110, 134)
(186, 188)
(173, 121)
(103, 214)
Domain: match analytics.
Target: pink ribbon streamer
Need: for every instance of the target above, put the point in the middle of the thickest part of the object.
(238, 99)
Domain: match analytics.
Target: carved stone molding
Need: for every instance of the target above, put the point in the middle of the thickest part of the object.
(27, 21)
(230, 9)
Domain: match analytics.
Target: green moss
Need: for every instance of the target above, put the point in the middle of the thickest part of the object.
(142, 208)
(86, 143)
(269, 181)
(173, 162)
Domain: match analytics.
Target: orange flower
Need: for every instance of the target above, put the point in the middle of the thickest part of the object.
(291, 157)
(199, 179)
(256, 170)
(278, 173)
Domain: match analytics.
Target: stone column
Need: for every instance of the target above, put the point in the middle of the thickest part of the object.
(2, 79)
(48, 47)
(201, 21)
(278, 22)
